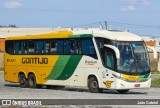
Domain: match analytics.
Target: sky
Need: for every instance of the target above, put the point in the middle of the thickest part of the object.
(141, 17)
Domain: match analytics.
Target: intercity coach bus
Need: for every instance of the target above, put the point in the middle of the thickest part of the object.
(93, 58)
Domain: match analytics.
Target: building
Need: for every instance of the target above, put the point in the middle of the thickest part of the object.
(2, 38)
(152, 41)
(149, 41)
(5, 32)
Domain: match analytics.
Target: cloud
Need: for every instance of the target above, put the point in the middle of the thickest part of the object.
(142, 2)
(128, 8)
(132, 5)
(12, 5)
(145, 2)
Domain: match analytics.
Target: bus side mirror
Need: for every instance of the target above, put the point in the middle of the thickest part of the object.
(154, 51)
(116, 50)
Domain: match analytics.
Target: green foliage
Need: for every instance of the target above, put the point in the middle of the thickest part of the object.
(155, 83)
(155, 73)
(1, 69)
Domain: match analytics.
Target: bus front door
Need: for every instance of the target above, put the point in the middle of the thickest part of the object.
(110, 64)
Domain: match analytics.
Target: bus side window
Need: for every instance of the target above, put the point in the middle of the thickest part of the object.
(67, 47)
(17, 47)
(40, 47)
(84, 47)
(53, 47)
(60, 47)
(9, 47)
(21, 47)
(72, 45)
(87, 47)
(31, 47)
(79, 47)
(24, 46)
(90, 45)
(47, 47)
(36, 47)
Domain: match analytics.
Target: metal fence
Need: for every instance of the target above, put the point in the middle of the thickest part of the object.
(1, 60)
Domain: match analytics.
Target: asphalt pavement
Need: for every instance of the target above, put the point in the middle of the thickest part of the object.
(13, 91)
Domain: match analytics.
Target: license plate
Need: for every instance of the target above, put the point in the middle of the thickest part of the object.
(137, 85)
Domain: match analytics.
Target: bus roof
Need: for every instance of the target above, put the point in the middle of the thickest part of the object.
(72, 33)
(113, 35)
(58, 34)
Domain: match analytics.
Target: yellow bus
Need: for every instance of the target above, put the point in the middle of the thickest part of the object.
(97, 59)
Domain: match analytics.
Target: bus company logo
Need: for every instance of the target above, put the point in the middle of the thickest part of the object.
(90, 62)
(108, 83)
(6, 103)
(34, 60)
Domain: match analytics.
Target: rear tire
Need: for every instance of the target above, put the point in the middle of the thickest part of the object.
(23, 81)
(32, 81)
(123, 91)
(93, 85)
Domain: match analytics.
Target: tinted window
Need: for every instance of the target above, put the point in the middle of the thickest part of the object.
(82, 46)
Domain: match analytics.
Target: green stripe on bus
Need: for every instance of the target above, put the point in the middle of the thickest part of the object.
(81, 36)
(70, 67)
(64, 67)
(144, 76)
(59, 67)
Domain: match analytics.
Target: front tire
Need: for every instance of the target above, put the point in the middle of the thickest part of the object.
(93, 85)
(32, 81)
(23, 81)
(123, 91)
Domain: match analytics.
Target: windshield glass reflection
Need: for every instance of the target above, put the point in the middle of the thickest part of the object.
(133, 57)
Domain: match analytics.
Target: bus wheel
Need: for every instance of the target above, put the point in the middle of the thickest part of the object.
(93, 85)
(23, 81)
(122, 91)
(32, 81)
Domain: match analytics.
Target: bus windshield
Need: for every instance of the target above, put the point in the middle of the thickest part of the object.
(133, 58)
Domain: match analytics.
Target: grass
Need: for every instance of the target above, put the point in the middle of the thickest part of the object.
(155, 73)
(1, 69)
(155, 83)
(1, 73)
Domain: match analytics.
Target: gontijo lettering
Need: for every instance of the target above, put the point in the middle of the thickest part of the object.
(34, 60)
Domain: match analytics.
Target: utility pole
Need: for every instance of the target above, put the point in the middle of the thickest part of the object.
(101, 26)
(106, 24)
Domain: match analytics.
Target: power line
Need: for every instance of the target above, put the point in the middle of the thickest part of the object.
(84, 25)
(135, 25)
(119, 24)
